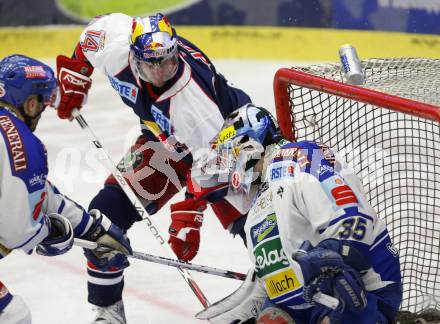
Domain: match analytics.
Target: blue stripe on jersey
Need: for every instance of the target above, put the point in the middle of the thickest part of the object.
(379, 238)
(62, 205)
(79, 229)
(55, 189)
(293, 298)
(349, 212)
(385, 260)
(42, 221)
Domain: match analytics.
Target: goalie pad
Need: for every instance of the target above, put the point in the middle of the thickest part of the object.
(243, 304)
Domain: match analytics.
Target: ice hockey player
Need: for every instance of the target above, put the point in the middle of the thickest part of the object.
(33, 213)
(310, 230)
(181, 102)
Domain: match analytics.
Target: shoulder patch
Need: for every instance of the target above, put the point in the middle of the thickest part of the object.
(125, 89)
(281, 169)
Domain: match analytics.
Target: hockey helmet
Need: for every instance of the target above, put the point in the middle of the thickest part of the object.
(239, 145)
(153, 44)
(22, 76)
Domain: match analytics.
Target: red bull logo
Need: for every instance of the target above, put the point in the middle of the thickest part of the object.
(153, 45)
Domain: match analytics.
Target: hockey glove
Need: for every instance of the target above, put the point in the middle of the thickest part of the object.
(73, 77)
(105, 233)
(187, 218)
(325, 271)
(60, 238)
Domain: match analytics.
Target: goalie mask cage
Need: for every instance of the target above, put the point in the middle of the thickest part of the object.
(388, 130)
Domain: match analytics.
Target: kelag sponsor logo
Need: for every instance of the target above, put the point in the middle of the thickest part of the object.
(125, 89)
(265, 229)
(270, 257)
(281, 283)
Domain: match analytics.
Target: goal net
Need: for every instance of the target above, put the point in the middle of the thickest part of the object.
(388, 130)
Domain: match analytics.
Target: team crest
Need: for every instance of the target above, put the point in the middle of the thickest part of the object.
(2, 90)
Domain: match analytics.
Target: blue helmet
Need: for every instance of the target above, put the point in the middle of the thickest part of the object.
(22, 76)
(153, 39)
(242, 142)
(250, 121)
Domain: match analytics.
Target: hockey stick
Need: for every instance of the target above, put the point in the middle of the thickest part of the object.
(165, 261)
(319, 297)
(110, 165)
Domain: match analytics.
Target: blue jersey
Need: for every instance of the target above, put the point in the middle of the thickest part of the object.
(189, 109)
(26, 196)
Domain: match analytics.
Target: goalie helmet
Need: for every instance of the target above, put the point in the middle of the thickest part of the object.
(237, 148)
(22, 76)
(242, 141)
(153, 46)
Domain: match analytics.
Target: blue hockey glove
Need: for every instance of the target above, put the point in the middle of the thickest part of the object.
(60, 238)
(105, 233)
(324, 270)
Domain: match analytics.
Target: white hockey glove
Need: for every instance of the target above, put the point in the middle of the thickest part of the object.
(243, 304)
(60, 238)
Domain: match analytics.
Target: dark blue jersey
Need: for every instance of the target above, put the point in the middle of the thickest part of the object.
(189, 109)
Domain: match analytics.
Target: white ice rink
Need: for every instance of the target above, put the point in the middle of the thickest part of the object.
(55, 288)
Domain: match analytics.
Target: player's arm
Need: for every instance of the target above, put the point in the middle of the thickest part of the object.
(229, 96)
(95, 49)
(92, 226)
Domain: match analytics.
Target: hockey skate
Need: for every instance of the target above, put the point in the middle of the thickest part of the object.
(113, 314)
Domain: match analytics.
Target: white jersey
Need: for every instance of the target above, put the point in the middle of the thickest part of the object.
(26, 197)
(309, 194)
(190, 108)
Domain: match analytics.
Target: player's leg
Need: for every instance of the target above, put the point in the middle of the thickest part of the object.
(13, 310)
(156, 175)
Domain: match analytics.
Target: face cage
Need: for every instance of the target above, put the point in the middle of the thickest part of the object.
(150, 71)
(233, 161)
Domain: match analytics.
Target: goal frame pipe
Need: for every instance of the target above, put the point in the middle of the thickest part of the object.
(284, 77)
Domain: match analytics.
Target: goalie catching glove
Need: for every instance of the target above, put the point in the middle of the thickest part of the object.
(324, 271)
(73, 77)
(107, 234)
(186, 220)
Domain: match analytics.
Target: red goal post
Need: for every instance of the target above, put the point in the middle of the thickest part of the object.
(388, 130)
